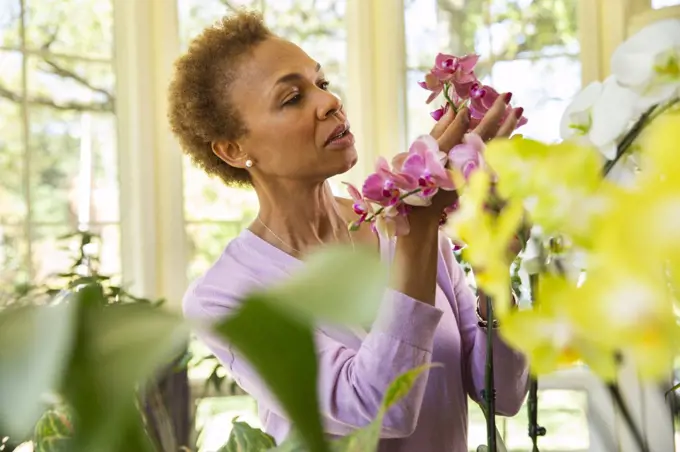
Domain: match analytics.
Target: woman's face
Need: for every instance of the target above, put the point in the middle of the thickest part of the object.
(297, 128)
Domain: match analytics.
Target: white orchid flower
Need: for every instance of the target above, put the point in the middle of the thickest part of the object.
(649, 62)
(599, 115)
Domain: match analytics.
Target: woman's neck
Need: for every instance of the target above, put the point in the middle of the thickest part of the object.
(298, 217)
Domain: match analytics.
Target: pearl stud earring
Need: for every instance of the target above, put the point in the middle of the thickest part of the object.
(249, 163)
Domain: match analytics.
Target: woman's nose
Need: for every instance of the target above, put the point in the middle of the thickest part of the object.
(332, 105)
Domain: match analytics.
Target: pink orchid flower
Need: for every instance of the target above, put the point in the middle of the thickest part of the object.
(482, 98)
(385, 186)
(361, 206)
(392, 221)
(433, 84)
(467, 156)
(457, 70)
(440, 112)
(424, 164)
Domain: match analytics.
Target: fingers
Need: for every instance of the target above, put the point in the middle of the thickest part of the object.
(443, 123)
(489, 126)
(454, 133)
(510, 122)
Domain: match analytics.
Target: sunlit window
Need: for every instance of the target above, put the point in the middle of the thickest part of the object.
(58, 156)
(528, 47)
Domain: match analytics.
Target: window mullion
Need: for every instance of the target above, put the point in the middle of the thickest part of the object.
(27, 148)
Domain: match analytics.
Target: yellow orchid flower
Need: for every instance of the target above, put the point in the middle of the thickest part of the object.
(488, 236)
(559, 184)
(553, 336)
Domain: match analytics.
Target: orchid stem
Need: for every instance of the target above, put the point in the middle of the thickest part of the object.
(615, 392)
(382, 208)
(535, 430)
(648, 116)
(489, 386)
(448, 99)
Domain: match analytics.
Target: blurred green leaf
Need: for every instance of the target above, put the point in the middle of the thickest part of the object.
(280, 347)
(35, 344)
(338, 284)
(244, 438)
(118, 347)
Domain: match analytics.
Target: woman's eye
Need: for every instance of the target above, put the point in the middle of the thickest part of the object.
(324, 85)
(293, 100)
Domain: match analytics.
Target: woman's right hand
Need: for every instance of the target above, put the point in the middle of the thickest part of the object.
(449, 132)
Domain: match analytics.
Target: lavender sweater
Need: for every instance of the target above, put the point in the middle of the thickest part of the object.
(355, 366)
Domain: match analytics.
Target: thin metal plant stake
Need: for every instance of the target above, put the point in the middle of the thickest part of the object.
(489, 388)
(535, 430)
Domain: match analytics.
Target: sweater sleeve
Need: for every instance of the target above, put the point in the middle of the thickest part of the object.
(351, 382)
(511, 371)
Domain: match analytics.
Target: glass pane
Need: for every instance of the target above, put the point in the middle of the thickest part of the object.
(477, 426)
(657, 4)
(543, 87)
(10, 21)
(71, 85)
(73, 167)
(12, 261)
(52, 253)
(215, 414)
(74, 27)
(194, 15)
(420, 23)
(318, 26)
(564, 415)
(208, 198)
(524, 28)
(207, 241)
(12, 146)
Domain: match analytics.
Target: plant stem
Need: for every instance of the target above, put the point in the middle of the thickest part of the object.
(621, 404)
(535, 430)
(648, 116)
(489, 387)
(382, 208)
(448, 99)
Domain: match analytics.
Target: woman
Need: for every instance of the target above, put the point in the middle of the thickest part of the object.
(255, 110)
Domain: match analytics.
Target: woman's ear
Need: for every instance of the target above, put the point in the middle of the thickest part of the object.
(230, 152)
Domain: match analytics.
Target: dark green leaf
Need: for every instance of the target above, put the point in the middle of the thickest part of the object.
(293, 443)
(281, 348)
(35, 344)
(244, 438)
(118, 347)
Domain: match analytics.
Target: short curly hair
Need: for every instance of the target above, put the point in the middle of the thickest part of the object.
(199, 108)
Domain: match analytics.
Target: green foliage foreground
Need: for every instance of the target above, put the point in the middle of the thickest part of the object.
(95, 356)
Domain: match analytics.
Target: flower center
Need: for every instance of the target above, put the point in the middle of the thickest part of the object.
(668, 65)
(477, 92)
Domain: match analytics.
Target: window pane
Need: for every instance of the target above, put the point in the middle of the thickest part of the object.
(562, 413)
(657, 4)
(12, 261)
(74, 27)
(208, 198)
(318, 26)
(528, 47)
(420, 22)
(543, 87)
(52, 253)
(10, 19)
(525, 28)
(207, 241)
(73, 173)
(215, 414)
(194, 15)
(12, 194)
